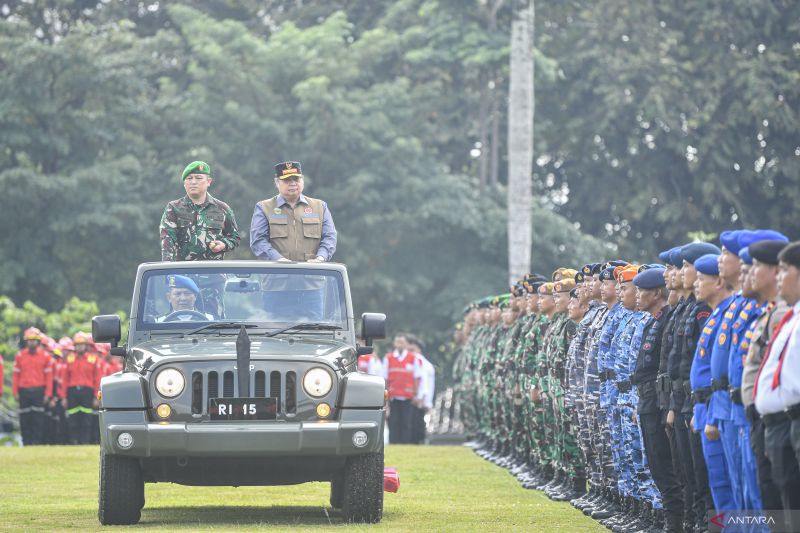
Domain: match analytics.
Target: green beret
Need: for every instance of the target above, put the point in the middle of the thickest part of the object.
(196, 167)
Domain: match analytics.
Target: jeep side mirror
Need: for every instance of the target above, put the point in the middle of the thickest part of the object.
(364, 350)
(107, 328)
(373, 326)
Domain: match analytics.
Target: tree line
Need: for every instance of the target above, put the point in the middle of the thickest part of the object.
(653, 120)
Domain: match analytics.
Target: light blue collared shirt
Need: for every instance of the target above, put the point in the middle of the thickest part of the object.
(259, 233)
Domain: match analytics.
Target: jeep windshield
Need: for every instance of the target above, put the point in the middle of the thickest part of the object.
(273, 298)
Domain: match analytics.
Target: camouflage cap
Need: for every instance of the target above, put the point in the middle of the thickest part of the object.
(196, 167)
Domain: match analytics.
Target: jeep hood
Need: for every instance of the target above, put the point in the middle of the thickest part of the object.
(151, 353)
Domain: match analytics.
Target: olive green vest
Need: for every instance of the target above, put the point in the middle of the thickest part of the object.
(295, 233)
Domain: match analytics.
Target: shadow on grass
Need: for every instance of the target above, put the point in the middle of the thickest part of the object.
(246, 515)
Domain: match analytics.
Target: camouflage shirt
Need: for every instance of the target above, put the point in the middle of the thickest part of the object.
(187, 229)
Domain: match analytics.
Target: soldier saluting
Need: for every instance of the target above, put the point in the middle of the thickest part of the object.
(197, 226)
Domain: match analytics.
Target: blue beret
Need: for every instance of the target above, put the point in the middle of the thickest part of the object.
(694, 250)
(607, 274)
(182, 282)
(664, 256)
(652, 278)
(730, 240)
(761, 235)
(616, 263)
(596, 268)
(675, 257)
(707, 264)
(744, 255)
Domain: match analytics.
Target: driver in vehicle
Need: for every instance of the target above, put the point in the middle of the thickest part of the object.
(182, 295)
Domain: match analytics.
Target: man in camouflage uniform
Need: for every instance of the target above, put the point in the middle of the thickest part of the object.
(199, 227)
(566, 458)
(543, 418)
(588, 305)
(529, 349)
(596, 383)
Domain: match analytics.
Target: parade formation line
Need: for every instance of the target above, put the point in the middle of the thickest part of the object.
(444, 488)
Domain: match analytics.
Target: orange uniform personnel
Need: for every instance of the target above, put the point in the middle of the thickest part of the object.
(80, 383)
(31, 383)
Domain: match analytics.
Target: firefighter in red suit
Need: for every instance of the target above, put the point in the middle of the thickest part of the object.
(59, 432)
(402, 372)
(32, 384)
(79, 392)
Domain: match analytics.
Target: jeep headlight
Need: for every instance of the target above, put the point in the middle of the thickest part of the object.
(317, 382)
(170, 382)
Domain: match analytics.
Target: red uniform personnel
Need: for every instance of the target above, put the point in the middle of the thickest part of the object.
(401, 370)
(80, 382)
(31, 383)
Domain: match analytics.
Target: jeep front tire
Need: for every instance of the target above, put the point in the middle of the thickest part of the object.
(362, 498)
(121, 490)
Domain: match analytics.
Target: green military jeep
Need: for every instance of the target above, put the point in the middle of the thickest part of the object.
(241, 373)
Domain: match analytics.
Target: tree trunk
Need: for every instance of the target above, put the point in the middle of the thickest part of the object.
(520, 141)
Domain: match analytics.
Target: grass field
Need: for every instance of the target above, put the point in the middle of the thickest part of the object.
(442, 489)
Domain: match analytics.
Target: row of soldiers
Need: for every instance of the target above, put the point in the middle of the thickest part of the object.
(651, 385)
(55, 384)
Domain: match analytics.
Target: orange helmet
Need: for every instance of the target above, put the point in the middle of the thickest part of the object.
(82, 338)
(32, 334)
(66, 344)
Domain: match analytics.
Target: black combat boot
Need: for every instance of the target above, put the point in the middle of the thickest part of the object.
(547, 478)
(673, 522)
(611, 507)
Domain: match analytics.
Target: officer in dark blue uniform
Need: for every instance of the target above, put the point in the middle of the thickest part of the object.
(693, 321)
(651, 298)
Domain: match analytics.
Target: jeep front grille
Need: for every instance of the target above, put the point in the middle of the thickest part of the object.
(282, 386)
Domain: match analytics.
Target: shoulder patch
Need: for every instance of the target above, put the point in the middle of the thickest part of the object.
(70, 359)
(91, 359)
(702, 315)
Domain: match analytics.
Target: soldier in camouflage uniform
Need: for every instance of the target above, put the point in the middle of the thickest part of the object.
(504, 368)
(566, 458)
(519, 303)
(529, 349)
(198, 227)
(540, 381)
(577, 396)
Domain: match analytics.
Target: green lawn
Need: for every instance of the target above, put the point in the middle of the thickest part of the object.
(442, 488)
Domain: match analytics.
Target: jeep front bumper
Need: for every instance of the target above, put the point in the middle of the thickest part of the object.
(223, 439)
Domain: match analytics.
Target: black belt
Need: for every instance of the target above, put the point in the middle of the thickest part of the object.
(736, 395)
(624, 386)
(775, 418)
(793, 411)
(719, 384)
(687, 387)
(751, 413)
(701, 395)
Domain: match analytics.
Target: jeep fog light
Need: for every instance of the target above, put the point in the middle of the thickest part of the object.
(125, 440)
(163, 410)
(360, 439)
(323, 410)
(317, 382)
(170, 382)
